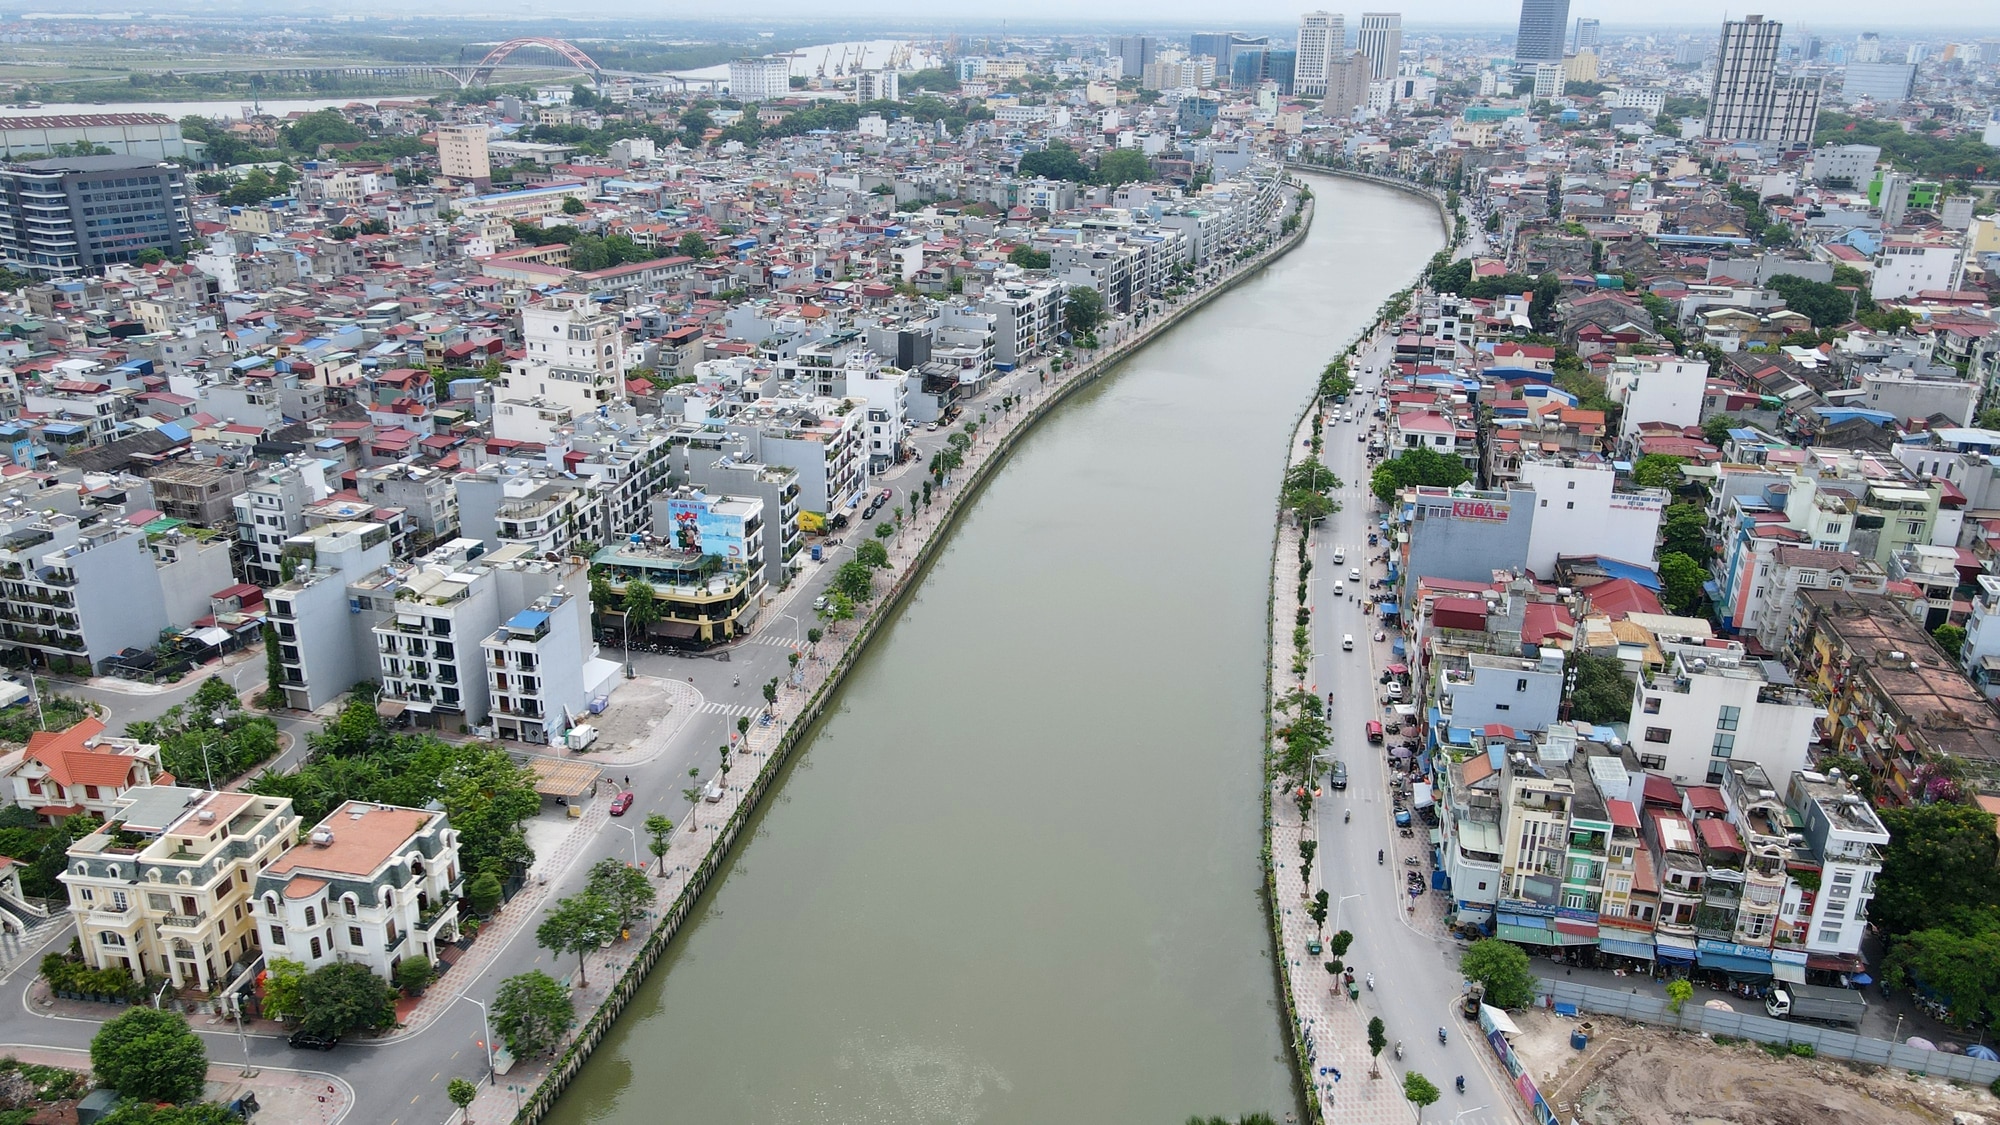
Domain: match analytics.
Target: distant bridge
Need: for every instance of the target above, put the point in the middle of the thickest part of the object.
(567, 51)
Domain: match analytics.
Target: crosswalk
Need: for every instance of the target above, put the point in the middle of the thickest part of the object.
(774, 641)
(738, 710)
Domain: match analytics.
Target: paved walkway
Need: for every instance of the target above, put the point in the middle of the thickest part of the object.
(289, 1096)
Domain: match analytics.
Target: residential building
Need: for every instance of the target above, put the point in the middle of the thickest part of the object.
(1656, 388)
(536, 685)
(319, 651)
(1714, 702)
(1893, 699)
(70, 216)
(271, 509)
(79, 770)
(163, 888)
(1134, 53)
(370, 885)
(429, 647)
(203, 495)
(1748, 99)
(703, 599)
(546, 513)
(1478, 689)
(462, 153)
(876, 86)
(1580, 509)
(1346, 84)
(1587, 34)
(76, 592)
(1908, 266)
(1541, 34)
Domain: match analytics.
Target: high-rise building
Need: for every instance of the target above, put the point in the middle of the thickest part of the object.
(1133, 53)
(877, 86)
(1322, 35)
(1347, 84)
(1540, 38)
(765, 79)
(1868, 48)
(1381, 39)
(1586, 35)
(1748, 100)
(77, 214)
(462, 152)
(1877, 82)
(1221, 46)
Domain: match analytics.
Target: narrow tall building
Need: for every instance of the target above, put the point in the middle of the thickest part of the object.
(1748, 100)
(1347, 82)
(1381, 39)
(1586, 35)
(1543, 23)
(1322, 36)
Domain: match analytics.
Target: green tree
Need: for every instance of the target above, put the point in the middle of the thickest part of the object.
(274, 670)
(1681, 579)
(282, 980)
(1679, 992)
(321, 127)
(872, 553)
(1937, 869)
(693, 245)
(131, 1112)
(1056, 161)
(460, 1093)
(346, 996)
(1312, 476)
(1415, 467)
(414, 974)
(150, 1055)
(659, 834)
(839, 608)
(1503, 969)
(641, 607)
(1378, 1038)
(578, 924)
(1083, 311)
(1309, 507)
(1950, 638)
(1825, 304)
(1658, 470)
(1684, 529)
(1600, 693)
(1419, 1091)
(1123, 166)
(573, 206)
(483, 892)
(530, 1012)
(625, 887)
(1028, 258)
(855, 580)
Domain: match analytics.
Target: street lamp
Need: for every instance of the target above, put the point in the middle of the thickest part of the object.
(627, 829)
(1337, 908)
(487, 1026)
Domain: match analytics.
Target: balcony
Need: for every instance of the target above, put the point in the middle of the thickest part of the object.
(182, 922)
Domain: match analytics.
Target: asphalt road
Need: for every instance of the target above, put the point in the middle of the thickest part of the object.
(1417, 985)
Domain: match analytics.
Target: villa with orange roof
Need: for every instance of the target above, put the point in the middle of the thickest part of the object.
(78, 770)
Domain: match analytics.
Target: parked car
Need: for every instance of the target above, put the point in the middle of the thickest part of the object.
(882, 497)
(307, 1041)
(819, 602)
(621, 803)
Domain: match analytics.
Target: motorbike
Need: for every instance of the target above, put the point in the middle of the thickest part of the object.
(1347, 816)
(1399, 1048)
(1410, 861)
(1371, 982)
(1378, 858)
(1461, 1083)
(1441, 1035)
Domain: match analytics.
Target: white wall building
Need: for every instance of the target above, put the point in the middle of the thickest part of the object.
(765, 79)
(1657, 388)
(1579, 510)
(1905, 268)
(1713, 703)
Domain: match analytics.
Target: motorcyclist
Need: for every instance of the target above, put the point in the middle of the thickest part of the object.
(1347, 816)
(1378, 855)
(1461, 1083)
(1441, 1035)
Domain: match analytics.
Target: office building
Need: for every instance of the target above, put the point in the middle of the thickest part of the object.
(462, 153)
(1133, 53)
(1346, 84)
(1381, 39)
(1748, 100)
(77, 214)
(1877, 82)
(1586, 35)
(1322, 35)
(1540, 38)
(1226, 46)
(1550, 80)
(765, 79)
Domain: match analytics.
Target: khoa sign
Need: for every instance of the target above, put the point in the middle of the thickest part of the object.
(1491, 511)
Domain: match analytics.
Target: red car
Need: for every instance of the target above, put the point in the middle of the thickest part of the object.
(621, 802)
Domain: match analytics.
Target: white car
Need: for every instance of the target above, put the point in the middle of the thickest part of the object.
(1339, 556)
(1354, 574)
(1339, 588)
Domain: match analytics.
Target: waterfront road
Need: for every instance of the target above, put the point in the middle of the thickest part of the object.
(1417, 984)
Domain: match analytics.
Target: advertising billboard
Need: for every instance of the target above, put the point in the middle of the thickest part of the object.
(698, 527)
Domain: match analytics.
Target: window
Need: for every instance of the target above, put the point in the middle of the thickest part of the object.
(1521, 684)
(1659, 734)
(277, 935)
(106, 937)
(1725, 719)
(354, 936)
(1571, 505)
(1503, 706)
(315, 949)
(1652, 705)
(310, 919)
(1725, 745)
(347, 906)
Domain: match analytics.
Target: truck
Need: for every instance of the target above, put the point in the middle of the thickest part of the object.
(1838, 1007)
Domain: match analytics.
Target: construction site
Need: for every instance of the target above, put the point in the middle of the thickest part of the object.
(1634, 1074)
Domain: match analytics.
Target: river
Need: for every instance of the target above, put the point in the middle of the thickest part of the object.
(1015, 877)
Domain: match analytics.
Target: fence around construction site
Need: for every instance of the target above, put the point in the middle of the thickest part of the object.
(1827, 1041)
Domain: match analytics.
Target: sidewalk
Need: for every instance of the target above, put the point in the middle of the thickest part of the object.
(290, 1096)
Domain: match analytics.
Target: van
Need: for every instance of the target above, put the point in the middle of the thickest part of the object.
(1347, 642)
(1339, 556)
(1374, 731)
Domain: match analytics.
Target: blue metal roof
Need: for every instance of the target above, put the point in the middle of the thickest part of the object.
(528, 620)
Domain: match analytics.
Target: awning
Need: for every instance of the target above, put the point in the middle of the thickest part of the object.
(389, 708)
(679, 629)
(1526, 935)
(1674, 954)
(1835, 963)
(1731, 963)
(1576, 929)
(1641, 950)
(1390, 609)
(1498, 1019)
(1785, 970)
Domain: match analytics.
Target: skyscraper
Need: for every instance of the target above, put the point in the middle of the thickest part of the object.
(1134, 51)
(1543, 23)
(1381, 39)
(1347, 84)
(1748, 101)
(1321, 36)
(1586, 35)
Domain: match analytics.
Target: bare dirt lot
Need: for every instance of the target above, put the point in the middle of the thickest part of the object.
(1632, 1074)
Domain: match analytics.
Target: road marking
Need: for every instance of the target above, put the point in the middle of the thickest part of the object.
(435, 1077)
